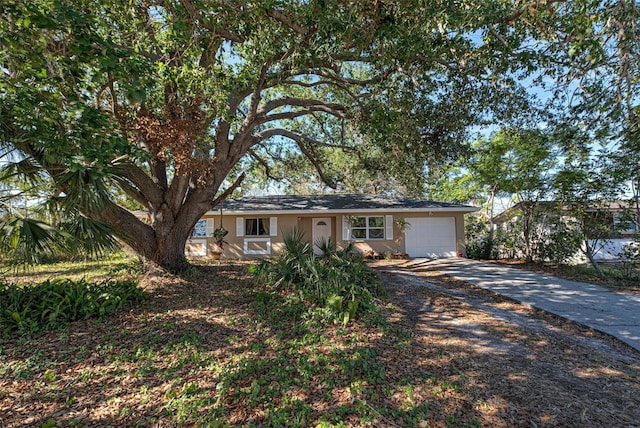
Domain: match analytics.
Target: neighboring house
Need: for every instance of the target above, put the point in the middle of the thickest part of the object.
(257, 225)
(617, 221)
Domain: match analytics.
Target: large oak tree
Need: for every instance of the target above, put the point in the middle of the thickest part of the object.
(170, 100)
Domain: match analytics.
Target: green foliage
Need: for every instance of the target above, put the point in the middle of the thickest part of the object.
(541, 235)
(26, 241)
(120, 104)
(481, 249)
(338, 281)
(630, 258)
(557, 246)
(32, 306)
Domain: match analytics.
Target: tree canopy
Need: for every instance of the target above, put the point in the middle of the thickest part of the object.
(170, 101)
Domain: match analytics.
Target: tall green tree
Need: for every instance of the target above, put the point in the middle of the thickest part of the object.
(169, 100)
(514, 164)
(585, 186)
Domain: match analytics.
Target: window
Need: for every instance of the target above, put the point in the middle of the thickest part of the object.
(625, 223)
(256, 226)
(367, 227)
(200, 230)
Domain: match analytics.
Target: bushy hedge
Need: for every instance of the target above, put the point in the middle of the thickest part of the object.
(339, 281)
(33, 306)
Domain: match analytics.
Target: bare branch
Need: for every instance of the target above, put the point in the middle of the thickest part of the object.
(264, 163)
(316, 164)
(229, 190)
(283, 19)
(195, 13)
(299, 113)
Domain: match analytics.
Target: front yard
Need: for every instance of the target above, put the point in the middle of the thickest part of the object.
(213, 348)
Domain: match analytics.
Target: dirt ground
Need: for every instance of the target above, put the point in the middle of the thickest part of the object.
(463, 356)
(534, 368)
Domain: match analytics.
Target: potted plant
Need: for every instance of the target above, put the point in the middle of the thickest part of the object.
(218, 239)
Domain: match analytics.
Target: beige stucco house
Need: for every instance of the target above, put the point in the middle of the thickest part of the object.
(257, 225)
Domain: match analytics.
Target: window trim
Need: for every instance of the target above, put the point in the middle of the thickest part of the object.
(266, 251)
(241, 226)
(367, 228)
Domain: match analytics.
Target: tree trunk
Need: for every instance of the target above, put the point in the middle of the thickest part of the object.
(595, 265)
(162, 242)
(591, 256)
(492, 197)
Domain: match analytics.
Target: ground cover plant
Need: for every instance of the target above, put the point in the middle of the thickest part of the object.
(29, 307)
(215, 348)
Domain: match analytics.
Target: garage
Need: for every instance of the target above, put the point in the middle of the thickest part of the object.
(431, 237)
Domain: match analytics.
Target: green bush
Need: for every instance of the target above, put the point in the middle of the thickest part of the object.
(52, 302)
(338, 280)
(481, 249)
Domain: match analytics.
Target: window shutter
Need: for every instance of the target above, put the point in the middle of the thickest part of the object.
(273, 226)
(388, 232)
(240, 226)
(346, 228)
(210, 227)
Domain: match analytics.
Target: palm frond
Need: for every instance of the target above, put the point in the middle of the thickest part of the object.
(84, 188)
(87, 237)
(26, 241)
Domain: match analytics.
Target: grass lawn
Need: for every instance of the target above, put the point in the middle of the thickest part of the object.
(213, 348)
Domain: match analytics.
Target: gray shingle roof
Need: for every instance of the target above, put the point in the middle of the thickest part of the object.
(335, 202)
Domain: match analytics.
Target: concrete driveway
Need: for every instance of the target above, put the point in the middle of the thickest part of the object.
(617, 314)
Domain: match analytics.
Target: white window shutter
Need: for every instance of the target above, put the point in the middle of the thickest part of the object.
(210, 227)
(388, 232)
(346, 228)
(240, 226)
(273, 226)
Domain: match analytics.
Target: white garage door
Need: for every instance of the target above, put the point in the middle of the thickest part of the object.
(431, 237)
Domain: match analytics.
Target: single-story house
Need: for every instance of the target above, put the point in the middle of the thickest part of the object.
(615, 222)
(257, 225)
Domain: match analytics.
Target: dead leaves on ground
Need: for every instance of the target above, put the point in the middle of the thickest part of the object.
(199, 352)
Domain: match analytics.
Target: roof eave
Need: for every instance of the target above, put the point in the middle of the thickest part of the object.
(346, 211)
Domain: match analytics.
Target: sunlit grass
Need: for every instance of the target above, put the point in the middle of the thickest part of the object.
(118, 265)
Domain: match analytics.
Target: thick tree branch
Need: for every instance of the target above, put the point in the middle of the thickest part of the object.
(177, 192)
(272, 132)
(298, 102)
(300, 113)
(149, 192)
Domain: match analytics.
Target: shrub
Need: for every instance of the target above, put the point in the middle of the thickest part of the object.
(482, 249)
(338, 280)
(630, 258)
(52, 302)
(558, 246)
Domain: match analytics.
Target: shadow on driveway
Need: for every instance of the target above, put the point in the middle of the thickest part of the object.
(617, 314)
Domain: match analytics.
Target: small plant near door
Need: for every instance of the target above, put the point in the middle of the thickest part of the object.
(403, 225)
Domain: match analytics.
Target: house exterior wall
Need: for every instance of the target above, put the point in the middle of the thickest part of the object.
(254, 247)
